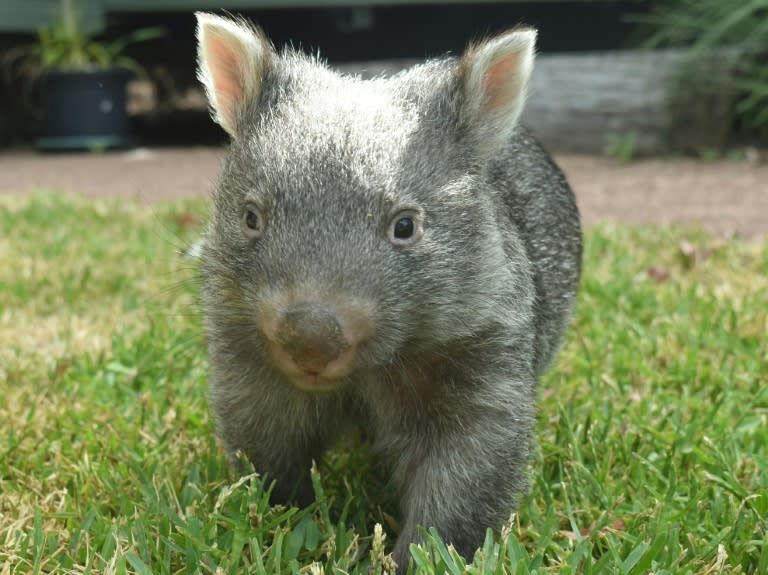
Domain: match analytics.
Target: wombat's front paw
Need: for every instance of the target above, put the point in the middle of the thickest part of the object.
(299, 494)
(402, 556)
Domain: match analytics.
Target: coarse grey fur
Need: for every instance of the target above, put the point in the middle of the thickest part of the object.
(464, 320)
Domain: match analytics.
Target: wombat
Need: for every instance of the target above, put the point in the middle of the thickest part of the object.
(397, 253)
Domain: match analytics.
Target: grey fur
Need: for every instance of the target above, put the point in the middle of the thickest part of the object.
(464, 320)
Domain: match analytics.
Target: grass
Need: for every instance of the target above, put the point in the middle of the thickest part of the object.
(653, 426)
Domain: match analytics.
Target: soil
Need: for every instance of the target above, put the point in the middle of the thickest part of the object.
(724, 197)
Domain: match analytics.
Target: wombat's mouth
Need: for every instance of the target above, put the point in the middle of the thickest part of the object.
(314, 382)
(313, 378)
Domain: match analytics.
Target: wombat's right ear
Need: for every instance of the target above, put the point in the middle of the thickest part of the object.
(232, 58)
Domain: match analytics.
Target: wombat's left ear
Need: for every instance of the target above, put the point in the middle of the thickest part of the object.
(495, 76)
(232, 57)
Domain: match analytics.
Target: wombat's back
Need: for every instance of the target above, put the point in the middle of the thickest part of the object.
(542, 206)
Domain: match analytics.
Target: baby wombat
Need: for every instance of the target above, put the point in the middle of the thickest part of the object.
(397, 253)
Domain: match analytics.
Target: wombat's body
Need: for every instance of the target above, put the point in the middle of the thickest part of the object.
(395, 252)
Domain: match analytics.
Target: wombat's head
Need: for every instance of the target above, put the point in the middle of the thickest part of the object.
(353, 222)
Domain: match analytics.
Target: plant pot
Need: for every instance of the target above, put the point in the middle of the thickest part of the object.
(85, 110)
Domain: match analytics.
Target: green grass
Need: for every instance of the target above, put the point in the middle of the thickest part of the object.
(653, 425)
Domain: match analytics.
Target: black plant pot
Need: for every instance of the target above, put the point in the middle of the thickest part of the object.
(85, 110)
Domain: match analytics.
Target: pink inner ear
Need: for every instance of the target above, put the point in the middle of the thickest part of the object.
(226, 75)
(501, 82)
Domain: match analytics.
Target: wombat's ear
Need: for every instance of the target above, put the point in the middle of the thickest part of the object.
(495, 76)
(232, 58)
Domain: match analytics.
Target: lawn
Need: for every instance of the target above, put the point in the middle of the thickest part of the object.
(653, 424)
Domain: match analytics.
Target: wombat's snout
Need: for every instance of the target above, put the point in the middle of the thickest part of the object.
(315, 342)
(311, 335)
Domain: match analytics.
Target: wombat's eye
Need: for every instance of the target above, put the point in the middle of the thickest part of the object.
(405, 228)
(252, 221)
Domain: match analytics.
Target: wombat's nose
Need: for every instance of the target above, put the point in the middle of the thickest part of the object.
(310, 333)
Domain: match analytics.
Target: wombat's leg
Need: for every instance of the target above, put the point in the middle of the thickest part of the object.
(464, 477)
(280, 436)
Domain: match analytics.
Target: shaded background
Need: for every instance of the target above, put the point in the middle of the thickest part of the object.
(363, 32)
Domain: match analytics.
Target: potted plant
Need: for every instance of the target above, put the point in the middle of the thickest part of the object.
(84, 84)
